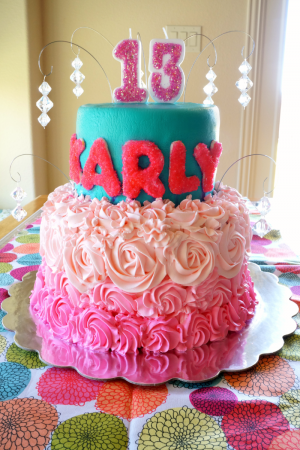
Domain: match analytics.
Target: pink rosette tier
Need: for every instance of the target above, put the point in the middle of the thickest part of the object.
(155, 277)
(157, 321)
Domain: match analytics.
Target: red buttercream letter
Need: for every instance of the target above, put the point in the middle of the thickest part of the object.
(208, 161)
(134, 177)
(178, 182)
(108, 179)
(76, 148)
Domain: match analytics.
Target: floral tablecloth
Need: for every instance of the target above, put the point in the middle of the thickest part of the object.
(47, 407)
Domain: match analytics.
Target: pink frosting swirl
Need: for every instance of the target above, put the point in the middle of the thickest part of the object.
(111, 298)
(154, 210)
(188, 262)
(131, 330)
(36, 300)
(218, 323)
(222, 293)
(231, 251)
(108, 211)
(214, 291)
(236, 314)
(167, 298)
(235, 210)
(62, 194)
(156, 232)
(182, 220)
(133, 266)
(161, 335)
(84, 263)
(191, 215)
(190, 205)
(61, 285)
(248, 299)
(97, 330)
(79, 215)
(194, 331)
(51, 243)
(60, 314)
(52, 308)
(118, 219)
(132, 209)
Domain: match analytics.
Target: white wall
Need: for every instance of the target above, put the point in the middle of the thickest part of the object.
(17, 131)
(27, 25)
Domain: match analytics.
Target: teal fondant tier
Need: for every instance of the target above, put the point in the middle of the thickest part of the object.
(162, 124)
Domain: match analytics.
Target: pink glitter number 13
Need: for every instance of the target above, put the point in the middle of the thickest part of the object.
(166, 81)
(128, 52)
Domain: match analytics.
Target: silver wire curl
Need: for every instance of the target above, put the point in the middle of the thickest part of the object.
(82, 48)
(243, 157)
(211, 42)
(89, 28)
(36, 156)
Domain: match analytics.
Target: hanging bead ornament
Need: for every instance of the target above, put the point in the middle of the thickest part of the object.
(77, 77)
(44, 103)
(244, 83)
(210, 89)
(18, 195)
(262, 227)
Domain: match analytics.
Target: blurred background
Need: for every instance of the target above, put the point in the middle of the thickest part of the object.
(28, 25)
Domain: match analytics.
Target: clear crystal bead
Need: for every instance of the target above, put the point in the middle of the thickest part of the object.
(208, 101)
(44, 119)
(77, 77)
(44, 104)
(262, 228)
(210, 89)
(78, 90)
(44, 88)
(264, 206)
(19, 213)
(211, 76)
(77, 63)
(245, 68)
(244, 99)
(244, 84)
(18, 194)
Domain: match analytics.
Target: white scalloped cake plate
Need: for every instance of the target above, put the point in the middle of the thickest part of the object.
(239, 351)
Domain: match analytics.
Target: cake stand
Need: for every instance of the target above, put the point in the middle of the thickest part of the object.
(239, 351)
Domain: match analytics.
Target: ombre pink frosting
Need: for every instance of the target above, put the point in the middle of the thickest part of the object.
(159, 277)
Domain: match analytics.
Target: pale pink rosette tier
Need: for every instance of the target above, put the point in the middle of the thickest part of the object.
(123, 277)
(137, 247)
